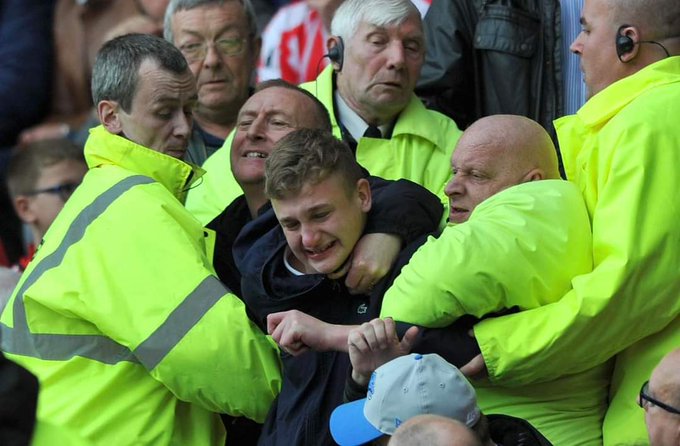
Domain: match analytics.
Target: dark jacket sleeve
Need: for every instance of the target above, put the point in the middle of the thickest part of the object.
(227, 226)
(402, 208)
(446, 81)
(453, 343)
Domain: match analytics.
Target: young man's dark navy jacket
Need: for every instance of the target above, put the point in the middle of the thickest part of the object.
(313, 383)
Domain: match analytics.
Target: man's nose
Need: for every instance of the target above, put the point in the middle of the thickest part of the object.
(213, 57)
(453, 187)
(183, 124)
(576, 46)
(310, 236)
(395, 54)
(257, 129)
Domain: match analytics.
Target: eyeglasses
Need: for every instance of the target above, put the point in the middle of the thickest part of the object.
(195, 52)
(63, 190)
(645, 399)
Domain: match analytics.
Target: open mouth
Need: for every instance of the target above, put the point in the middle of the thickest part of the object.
(311, 253)
(457, 214)
(254, 154)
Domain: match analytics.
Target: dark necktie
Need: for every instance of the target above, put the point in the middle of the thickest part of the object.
(372, 132)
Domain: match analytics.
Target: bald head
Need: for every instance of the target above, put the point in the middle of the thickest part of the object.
(663, 425)
(520, 143)
(494, 153)
(665, 380)
(657, 19)
(434, 430)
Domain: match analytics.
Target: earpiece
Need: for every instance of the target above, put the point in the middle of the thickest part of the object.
(624, 43)
(336, 53)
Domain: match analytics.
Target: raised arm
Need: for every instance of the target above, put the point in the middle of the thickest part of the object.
(401, 212)
(632, 291)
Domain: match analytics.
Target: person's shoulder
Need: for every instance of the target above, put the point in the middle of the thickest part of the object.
(121, 193)
(536, 203)
(431, 125)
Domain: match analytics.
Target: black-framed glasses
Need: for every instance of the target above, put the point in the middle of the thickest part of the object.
(195, 52)
(644, 399)
(63, 190)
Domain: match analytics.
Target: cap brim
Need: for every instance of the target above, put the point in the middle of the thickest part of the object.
(349, 426)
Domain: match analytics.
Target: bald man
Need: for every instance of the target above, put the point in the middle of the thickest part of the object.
(517, 237)
(621, 150)
(493, 154)
(434, 430)
(660, 397)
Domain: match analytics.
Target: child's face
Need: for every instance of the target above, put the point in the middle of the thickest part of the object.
(322, 223)
(44, 207)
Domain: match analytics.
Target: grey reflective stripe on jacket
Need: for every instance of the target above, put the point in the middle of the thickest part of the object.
(20, 341)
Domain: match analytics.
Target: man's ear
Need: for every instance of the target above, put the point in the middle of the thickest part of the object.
(634, 35)
(335, 49)
(108, 114)
(22, 206)
(364, 194)
(534, 175)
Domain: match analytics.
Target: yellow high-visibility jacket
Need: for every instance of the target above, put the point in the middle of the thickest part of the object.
(521, 247)
(622, 149)
(133, 338)
(217, 187)
(420, 150)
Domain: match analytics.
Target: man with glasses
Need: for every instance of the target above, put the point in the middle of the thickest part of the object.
(219, 40)
(40, 178)
(660, 398)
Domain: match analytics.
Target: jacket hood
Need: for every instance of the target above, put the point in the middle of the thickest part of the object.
(607, 103)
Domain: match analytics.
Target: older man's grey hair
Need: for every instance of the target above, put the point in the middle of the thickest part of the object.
(116, 69)
(184, 5)
(374, 12)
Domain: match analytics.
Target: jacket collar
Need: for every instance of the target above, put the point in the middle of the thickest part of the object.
(415, 119)
(104, 148)
(607, 103)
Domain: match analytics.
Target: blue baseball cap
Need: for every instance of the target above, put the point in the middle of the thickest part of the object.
(401, 389)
